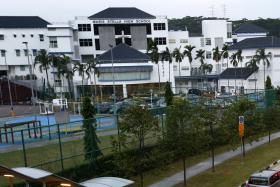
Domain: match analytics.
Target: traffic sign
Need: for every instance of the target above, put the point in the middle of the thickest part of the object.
(241, 130)
(241, 120)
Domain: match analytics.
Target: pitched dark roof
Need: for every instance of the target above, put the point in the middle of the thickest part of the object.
(123, 53)
(122, 13)
(257, 43)
(249, 28)
(236, 73)
(22, 22)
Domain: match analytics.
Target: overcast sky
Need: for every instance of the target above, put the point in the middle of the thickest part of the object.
(63, 10)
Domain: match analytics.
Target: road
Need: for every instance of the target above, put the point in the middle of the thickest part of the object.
(206, 164)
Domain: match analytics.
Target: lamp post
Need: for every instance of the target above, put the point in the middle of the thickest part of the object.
(8, 77)
(30, 69)
(114, 96)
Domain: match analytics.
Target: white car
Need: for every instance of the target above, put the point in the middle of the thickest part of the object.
(264, 178)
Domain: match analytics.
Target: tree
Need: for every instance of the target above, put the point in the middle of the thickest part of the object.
(137, 123)
(254, 66)
(183, 134)
(91, 140)
(234, 62)
(167, 56)
(92, 67)
(217, 56)
(44, 61)
(230, 119)
(178, 58)
(225, 55)
(271, 119)
(168, 94)
(81, 69)
(268, 84)
(262, 56)
(239, 58)
(64, 69)
(188, 52)
(200, 56)
(154, 55)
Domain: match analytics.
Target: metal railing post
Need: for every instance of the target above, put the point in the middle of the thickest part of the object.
(23, 149)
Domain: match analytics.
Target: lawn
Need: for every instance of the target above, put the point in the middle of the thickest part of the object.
(235, 171)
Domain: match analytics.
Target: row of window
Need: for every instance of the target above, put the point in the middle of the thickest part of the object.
(18, 52)
(41, 36)
(182, 41)
(118, 28)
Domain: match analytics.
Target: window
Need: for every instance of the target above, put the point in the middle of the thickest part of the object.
(274, 178)
(208, 55)
(17, 52)
(122, 29)
(160, 41)
(84, 27)
(183, 41)
(22, 68)
(53, 42)
(41, 36)
(31, 35)
(276, 56)
(23, 35)
(97, 45)
(51, 29)
(229, 34)
(1, 36)
(159, 26)
(249, 57)
(25, 52)
(207, 41)
(174, 68)
(34, 52)
(3, 53)
(85, 42)
(96, 31)
(172, 41)
(185, 68)
(15, 35)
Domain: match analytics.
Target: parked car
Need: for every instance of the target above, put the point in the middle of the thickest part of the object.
(264, 178)
(194, 92)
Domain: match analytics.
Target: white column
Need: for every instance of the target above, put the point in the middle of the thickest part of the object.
(124, 91)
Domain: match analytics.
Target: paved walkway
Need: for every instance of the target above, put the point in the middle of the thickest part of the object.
(206, 164)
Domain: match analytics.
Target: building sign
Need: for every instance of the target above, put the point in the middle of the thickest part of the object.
(120, 21)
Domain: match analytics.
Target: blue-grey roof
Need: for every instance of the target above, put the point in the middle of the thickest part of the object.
(22, 22)
(196, 77)
(123, 53)
(237, 73)
(122, 13)
(249, 28)
(257, 43)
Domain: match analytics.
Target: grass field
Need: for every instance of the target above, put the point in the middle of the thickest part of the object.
(235, 171)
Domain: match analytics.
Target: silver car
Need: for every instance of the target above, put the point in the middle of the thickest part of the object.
(265, 178)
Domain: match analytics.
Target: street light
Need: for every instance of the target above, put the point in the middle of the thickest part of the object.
(30, 69)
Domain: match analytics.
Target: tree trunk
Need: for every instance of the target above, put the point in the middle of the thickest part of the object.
(179, 78)
(83, 89)
(228, 79)
(95, 88)
(169, 72)
(235, 82)
(269, 138)
(243, 145)
(48, 85)
(69, 87)
(263, 76)
(185, 172)
(158, 76)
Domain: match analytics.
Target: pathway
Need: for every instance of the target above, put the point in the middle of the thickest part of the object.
(206, 164)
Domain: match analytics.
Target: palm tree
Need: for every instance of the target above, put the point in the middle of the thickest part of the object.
(239, 58)
(178, 58)
(234, 62)
(253, 64)
(154, 55)
(167, 56)
(92, 67)
(188, 52)
(81, 69)
(225, 55)
(261, 55)
(44, 61)
(217, 56)
(200, 55)
(66, 71)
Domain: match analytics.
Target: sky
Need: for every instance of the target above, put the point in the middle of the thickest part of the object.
(64, 10)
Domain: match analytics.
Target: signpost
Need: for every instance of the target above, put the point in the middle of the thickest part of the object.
(241, 133)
